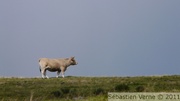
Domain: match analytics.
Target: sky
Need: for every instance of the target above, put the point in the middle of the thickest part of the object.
(107, 37)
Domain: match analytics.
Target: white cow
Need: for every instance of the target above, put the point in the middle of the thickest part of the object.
(53, 65)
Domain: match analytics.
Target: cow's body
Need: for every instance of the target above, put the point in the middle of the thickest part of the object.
(53, 65)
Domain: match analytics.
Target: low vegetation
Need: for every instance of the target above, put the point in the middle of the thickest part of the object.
(82, 88)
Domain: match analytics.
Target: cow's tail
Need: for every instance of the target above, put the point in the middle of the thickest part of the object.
(39, 67)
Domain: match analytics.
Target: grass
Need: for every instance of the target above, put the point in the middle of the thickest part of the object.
(82, 88)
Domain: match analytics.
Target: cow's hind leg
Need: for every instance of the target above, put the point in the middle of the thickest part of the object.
(46, 75)
(43, 72)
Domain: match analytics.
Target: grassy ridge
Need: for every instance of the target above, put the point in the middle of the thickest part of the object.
(82, 88)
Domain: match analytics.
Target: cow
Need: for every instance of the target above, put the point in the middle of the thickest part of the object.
(53, 65)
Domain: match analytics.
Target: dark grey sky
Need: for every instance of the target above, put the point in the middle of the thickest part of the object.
(107, 37)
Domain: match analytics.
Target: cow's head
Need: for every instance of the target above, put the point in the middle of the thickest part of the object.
(73, 61)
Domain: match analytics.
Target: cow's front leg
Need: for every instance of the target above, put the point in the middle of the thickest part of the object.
(58, 72)
(62, 72)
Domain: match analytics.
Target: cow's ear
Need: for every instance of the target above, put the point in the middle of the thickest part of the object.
(72, 58)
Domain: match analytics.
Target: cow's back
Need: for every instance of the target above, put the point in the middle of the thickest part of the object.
(52, 63)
